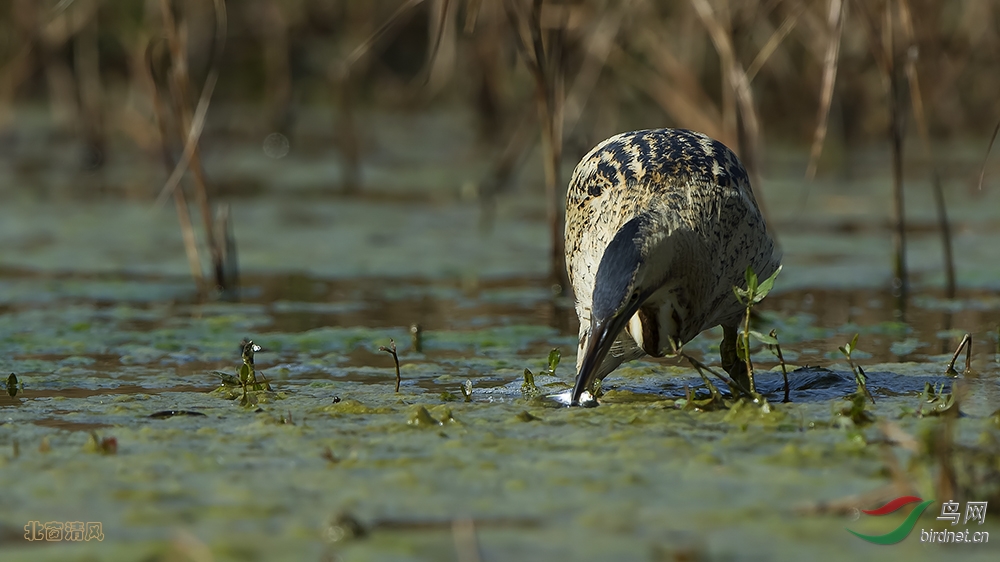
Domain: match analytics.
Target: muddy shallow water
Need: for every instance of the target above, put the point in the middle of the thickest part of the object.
(335, 452)
(107, 337)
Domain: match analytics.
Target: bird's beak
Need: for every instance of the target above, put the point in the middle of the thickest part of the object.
(602, 336)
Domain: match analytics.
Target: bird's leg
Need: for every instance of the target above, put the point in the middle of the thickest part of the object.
(730, 359)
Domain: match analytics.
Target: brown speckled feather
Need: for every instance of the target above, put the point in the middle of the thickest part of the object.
(699, 196)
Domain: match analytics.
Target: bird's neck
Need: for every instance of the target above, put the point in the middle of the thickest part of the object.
(656, 326)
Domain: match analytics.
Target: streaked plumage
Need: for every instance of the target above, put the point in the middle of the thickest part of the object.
(660, 225)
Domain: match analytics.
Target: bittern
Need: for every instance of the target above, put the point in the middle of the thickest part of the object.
(660, 226)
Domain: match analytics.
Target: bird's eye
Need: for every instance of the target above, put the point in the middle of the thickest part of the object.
(635, 297)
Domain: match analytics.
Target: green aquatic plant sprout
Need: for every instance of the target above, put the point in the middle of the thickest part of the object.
(528, 388)
(859, 373)
(934, 401)
(12, 385)
(749, 297)
(554, 356)
(391, 350)
(245, 384)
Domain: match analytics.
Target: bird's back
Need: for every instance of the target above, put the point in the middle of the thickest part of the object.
(701, 196)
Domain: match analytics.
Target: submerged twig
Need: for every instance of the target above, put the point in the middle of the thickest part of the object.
(392, 351)
(966, 343)
(712, 390)
(698, 365)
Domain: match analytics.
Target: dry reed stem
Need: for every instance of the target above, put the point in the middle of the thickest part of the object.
(916, 100)
(224, 233)
(86, 62)
(545, 66)
(434, 75)
(513, 156)
(901, 281)
(965, 344)
(340, 75)
(397, 17)
(674, 86)
(180, 203)
(347, 130)
(17, 70)
(883, 48)
(746, 122)
(598, 46)
(471, 16)
(830, 63)
(192, 125)
(719, 35)
(982, 172)
(774, 41)
(277, 66)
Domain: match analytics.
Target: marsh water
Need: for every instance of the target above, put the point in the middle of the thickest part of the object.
(110, 340)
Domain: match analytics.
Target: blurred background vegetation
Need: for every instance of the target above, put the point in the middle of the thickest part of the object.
(88, 85)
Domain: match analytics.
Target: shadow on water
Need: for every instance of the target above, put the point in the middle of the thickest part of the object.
(818, 384)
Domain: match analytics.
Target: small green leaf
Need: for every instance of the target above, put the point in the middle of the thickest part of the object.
(854, 343)
(245, 373)
(845, 351)
(765, 287)
(764, 338)
(12, 385)
(528, 388)
(227, 379)
(751, 281)
(554, 356)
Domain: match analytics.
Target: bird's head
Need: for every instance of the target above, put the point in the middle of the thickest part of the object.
(629, 272)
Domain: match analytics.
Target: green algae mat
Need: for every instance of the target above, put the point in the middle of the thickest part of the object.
(127, 434)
